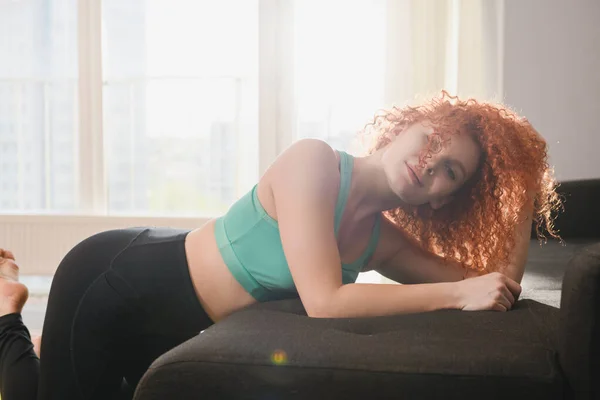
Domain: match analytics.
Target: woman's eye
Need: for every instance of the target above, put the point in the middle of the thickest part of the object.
(451, 173)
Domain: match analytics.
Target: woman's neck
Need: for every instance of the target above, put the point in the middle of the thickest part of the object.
(371, 190)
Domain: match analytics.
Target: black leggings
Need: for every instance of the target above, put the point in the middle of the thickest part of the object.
(118, 300)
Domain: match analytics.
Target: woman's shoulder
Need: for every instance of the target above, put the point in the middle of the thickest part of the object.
(309, 166)
(306, 156)
(313, 149)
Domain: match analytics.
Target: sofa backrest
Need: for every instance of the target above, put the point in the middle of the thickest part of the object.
(581, 215)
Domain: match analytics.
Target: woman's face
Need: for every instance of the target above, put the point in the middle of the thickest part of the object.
(443, 174)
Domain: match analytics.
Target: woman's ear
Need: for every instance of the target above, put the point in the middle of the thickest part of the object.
(437, 204)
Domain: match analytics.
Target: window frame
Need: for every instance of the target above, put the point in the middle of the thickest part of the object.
(275, 99)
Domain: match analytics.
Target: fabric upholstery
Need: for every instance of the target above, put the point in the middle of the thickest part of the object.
(444, 354)
(579, 333)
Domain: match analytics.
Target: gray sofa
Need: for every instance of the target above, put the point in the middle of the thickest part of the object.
(546, 347)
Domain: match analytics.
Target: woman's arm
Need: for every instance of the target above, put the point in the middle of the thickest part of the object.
(518, 259)
(413, 266)
(304, 183)
(410, 264)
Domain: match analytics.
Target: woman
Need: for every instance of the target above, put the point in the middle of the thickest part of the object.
(448, 192)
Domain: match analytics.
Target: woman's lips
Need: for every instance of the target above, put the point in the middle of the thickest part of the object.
(413, 176)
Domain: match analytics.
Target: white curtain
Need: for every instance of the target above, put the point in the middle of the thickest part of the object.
(450, 44)
(341, 61)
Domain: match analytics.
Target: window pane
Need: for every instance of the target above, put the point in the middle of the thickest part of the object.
(339, 67)
(38, 106)
(180, 103)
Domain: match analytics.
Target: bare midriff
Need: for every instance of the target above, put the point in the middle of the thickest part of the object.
(219, 293)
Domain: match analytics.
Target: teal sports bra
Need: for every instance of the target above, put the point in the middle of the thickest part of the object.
(250, 243)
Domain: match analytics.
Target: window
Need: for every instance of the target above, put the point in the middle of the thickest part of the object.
(38, 105)
(180, 91)
(339, 68)
(178, 80)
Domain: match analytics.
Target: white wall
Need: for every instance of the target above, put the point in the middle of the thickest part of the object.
(552, 76)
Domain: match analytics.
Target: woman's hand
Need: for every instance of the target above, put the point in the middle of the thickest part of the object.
(493, 291)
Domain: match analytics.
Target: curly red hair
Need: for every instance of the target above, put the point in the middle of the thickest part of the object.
(476, 229)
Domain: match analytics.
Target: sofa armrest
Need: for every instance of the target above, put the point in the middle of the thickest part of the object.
(579, 330)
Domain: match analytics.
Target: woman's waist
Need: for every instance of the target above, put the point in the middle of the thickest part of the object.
(217, 289)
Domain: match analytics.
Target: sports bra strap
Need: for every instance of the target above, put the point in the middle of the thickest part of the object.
(346, 164)
(374, 237)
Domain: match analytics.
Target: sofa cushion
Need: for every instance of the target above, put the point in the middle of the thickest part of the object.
(273, 350)
(546, 265)
(579, 331)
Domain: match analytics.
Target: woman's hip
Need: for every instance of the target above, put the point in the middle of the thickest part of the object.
(147, 267)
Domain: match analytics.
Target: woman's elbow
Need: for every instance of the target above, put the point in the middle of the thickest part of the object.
(321, 308)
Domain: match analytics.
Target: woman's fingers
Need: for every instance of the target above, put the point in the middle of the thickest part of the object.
(509, 296)
(503, 301)
(513, 286)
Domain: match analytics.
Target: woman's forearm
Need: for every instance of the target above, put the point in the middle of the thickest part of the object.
(370, 300)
